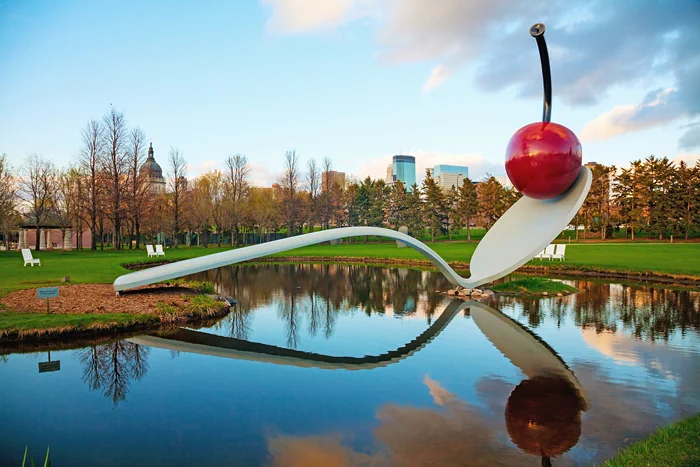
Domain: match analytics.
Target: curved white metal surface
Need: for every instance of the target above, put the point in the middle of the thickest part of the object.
(523, 348)
(522, 232)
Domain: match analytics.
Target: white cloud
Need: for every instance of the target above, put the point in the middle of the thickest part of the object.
(478, 165)
(596, 47)
(261, 175)
(436, 78)
(689, 159)
(307, 16)
(194, 171)
(657, 108)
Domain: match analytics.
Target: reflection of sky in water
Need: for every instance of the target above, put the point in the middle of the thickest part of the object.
(444, 403)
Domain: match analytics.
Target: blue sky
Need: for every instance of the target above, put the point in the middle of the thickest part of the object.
(354, 80)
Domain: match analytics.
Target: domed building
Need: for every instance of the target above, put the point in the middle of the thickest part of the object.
(153, 173)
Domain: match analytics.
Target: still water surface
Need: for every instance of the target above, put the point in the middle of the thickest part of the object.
(351, 365)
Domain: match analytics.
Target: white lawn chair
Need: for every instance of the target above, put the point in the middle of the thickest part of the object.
(159, 250)
(539, 255)
(561, 252)
(149, 250)
(548, 252)
(27, 255)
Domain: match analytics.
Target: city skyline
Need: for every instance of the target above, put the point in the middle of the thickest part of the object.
(347, 81)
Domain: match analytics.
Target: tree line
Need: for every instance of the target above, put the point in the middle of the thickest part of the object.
(654, 198)
(104, 191)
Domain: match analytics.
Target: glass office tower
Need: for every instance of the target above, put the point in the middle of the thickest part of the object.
(404, 169)
(448, 176)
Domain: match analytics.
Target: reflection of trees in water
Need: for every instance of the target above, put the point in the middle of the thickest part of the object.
(646, 312)
(110, 368)
(317, 294)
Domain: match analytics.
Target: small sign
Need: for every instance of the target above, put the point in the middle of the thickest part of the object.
(45, 367)
(47, 292)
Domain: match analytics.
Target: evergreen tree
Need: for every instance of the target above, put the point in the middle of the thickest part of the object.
(435, 206)
(628, 198)
(687, 196)
(657, 188)
(378, 203)
(398, 205)
(490, 199)
(352, 205)
(414, 213)
(454, 219)
(467, 204)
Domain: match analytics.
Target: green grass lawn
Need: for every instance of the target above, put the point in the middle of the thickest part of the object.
(81, 266)
(105, 266)
(533, 285)
(679, 258)
(675, 445)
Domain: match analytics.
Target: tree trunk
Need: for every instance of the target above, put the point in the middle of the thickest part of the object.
(469, 235)
(38, 233)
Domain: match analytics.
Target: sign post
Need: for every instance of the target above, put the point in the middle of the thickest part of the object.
(45, 367)
(47, 292)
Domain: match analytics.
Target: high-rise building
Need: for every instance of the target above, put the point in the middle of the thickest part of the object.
(389, 179)
(153, 173)
(336, 178)
(404, 169)
(450, 175)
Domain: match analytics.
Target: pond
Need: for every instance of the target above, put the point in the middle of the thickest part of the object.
(323, 365)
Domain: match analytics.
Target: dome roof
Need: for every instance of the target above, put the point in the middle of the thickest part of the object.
(151, 168)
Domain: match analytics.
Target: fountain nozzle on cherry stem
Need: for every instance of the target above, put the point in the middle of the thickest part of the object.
(543, 159)
(537, 31)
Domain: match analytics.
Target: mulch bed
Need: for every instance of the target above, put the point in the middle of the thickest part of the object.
(99, 298)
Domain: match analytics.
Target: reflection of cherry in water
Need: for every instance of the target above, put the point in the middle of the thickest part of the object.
(543, 416)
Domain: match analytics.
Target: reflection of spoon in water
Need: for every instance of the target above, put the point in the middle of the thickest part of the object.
(522, 232)
(543, 414)
(523, 348)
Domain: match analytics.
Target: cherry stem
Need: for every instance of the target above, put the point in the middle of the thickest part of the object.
(537, 31)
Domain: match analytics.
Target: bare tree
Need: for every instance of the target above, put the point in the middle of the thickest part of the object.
(177, 184)
(237, 187)
(200, 209)
(327, 194)
(68, 197)
(38, 187)
(313, 185)
(138, 185)
(313, 179)
(90, 163)
(289, 188)
(115, 163)
(9, 217)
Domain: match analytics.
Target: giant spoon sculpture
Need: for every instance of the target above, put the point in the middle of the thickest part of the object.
(542, 159)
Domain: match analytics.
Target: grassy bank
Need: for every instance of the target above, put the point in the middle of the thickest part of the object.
(19, 326)
(676, 445)
(533, 286)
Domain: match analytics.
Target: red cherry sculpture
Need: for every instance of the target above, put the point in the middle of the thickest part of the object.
(543, 159)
